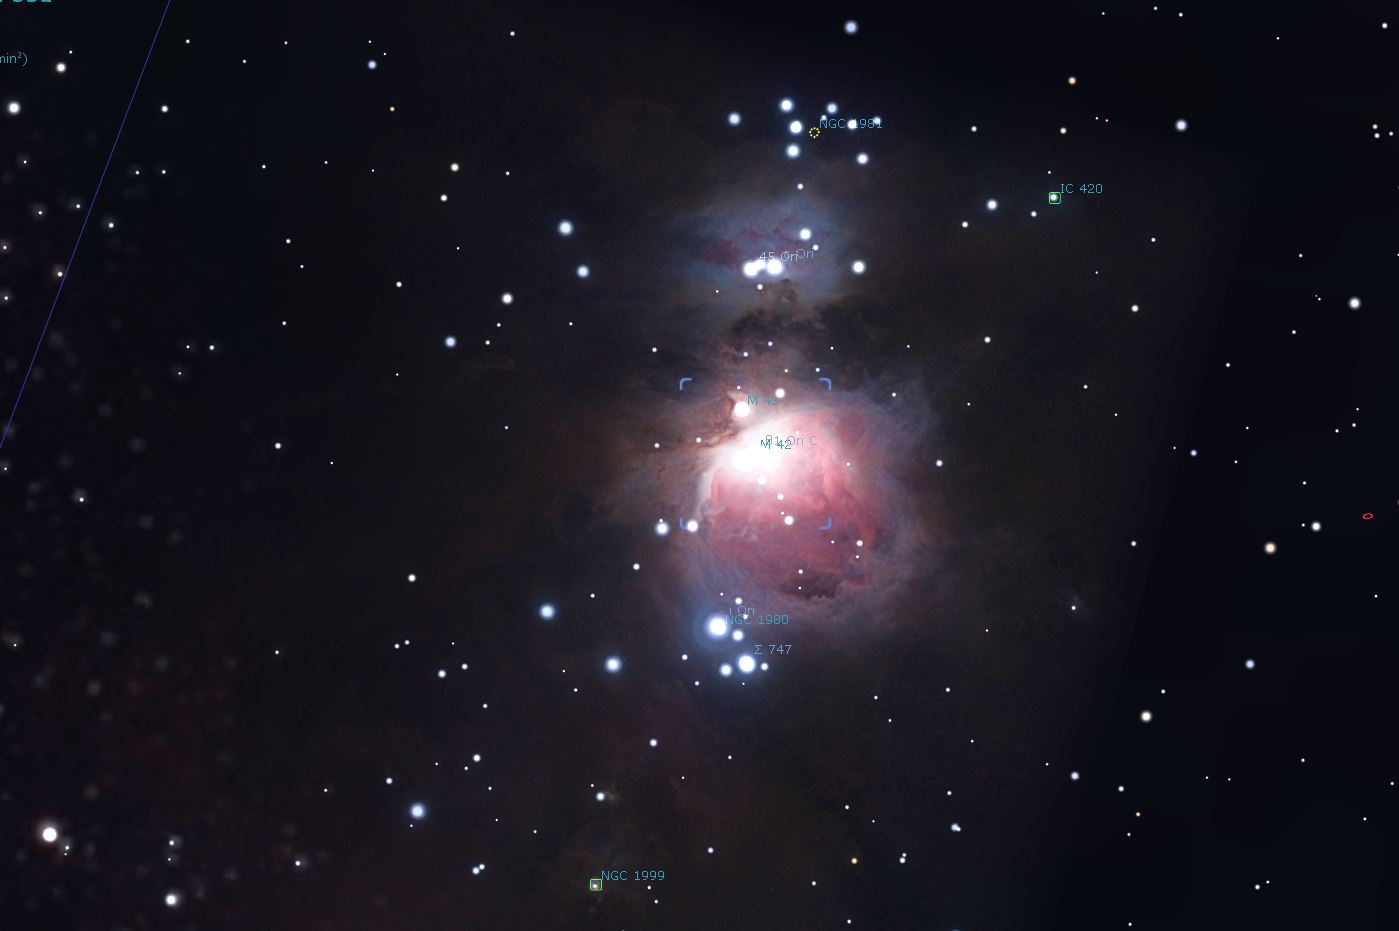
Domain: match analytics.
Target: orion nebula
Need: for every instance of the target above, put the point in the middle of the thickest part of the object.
(795, 497)
(782, 462)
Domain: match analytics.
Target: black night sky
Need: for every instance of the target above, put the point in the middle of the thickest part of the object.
(366, 564)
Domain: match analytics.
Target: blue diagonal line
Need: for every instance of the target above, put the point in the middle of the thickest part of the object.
(92, 202)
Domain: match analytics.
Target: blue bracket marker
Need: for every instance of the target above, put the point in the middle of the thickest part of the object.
(827, 381)
(683, 380)
(828, 525)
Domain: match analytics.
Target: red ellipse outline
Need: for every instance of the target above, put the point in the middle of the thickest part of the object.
(1367, 516)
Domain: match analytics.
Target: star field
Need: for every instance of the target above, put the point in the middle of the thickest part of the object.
(479, 451)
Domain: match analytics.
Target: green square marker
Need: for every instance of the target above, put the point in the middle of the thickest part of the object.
(1056, 197)
(595, 885)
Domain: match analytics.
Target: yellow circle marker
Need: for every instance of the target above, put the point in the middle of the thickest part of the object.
(814, 131)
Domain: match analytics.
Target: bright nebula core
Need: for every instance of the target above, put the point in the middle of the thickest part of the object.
(765, 505)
